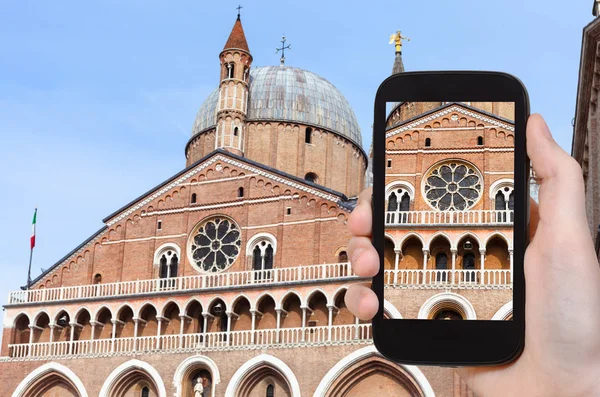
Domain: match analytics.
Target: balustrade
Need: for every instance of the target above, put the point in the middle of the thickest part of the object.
(449, 218)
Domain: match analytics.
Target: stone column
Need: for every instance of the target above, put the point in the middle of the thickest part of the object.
(278, 311)
(51, 326)
(303, 322)
(425, 254)
(510, 253)
(396, 266)
(73, 324)
(452, 279)
(356, 324)
(330, 321)
(253, 326)
(114, 331)
(482, 265)
(228, 326)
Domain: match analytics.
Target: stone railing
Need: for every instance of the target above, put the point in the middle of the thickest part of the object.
(217, 281)
(453, 279)
(449, 218)
(210, 341)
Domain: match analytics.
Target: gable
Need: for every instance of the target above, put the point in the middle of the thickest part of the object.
(211, 176)
(472, 116)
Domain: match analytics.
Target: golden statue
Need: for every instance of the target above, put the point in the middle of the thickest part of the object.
(396, 39)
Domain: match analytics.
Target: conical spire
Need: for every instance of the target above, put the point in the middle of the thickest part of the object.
(237, 38)
(398, 64)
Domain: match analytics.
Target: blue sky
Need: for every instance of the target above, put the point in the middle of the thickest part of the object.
(97, 101)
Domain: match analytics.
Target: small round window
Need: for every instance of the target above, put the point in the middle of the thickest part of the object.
(453, 186)
(215, 244)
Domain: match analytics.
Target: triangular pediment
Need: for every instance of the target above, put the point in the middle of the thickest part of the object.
(463, 111)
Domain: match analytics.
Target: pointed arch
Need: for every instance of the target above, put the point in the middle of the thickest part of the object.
(46, 370)
(393, 240)
(142, 307)
(286, 296)
(236, 299)
(78, 312)
(436, 235)
(130, 366)
(98, 310)
(190, 302)
(500, 235)
(345, 363)
(38, 314)
(262, 296)
(165, 247)
(212, 302)
(166, 304)
(338, 291)
(189, 364)
(118, 312)
(18, 315)
(257, 362)
(400, 184)
(313, 292)
(408, 236)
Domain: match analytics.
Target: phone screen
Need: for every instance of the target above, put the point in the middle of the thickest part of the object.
(449, 210)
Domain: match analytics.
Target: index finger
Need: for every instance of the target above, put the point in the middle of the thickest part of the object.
(360, 220)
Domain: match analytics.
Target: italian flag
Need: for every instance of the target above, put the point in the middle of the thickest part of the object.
(33, 229)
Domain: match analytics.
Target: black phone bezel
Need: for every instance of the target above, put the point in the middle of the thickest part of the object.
(472, 342)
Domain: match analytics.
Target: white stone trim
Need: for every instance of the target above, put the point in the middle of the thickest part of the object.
(360, 354)
(254, 304)
(392, 239)
(181, 180)
(221, 180)
(44, 370)
(504, 311)
(436, 235)
(501, 235)
(256, 362)
(165, 247)
(237, 203)
(409, 235)
(447, 296)
(124, 368)
(257, 238)
(400, 184)
(291, 223)
(131, 240)
(438, 151)
(391, 310)
(499, 184)
(470, 234)
(310, 295)
(190, 361)
(443, 112)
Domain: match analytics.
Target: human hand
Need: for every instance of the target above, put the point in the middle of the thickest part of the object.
(562, 338)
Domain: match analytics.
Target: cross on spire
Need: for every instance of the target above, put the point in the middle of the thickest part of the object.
(239, 7)
(282, 49)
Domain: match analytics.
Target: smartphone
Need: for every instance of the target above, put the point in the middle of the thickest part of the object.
(450, 217)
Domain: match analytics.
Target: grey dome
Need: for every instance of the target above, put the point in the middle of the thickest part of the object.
(284, 93)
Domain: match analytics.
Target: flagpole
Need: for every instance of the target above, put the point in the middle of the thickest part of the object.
(29, 271)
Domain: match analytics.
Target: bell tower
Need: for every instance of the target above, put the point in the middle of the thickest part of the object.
(234, 84)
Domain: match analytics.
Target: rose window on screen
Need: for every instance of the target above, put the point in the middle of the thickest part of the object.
(453, 186)
(215, 244)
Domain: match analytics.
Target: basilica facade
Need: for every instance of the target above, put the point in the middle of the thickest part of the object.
(228, 279)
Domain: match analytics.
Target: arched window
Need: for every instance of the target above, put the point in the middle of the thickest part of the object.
(393, 202)
(270, 391)
(240, 192)
(169, 264)
(447, 314)
(342, 257)
(246, 73)
(230, 71)
(193, 198)
(511, 205)
(500, 204)
(262, 260)
(308, 135)
(469, 264)
(97, 278)
(311, 177)
(427, 142)
(405, 202)
(479, 140)
(441, 263)
(235, 131)
(145, 392)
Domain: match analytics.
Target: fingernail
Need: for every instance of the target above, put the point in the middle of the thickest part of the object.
(357, 252)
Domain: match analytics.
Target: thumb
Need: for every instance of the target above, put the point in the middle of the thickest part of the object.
(561, 181)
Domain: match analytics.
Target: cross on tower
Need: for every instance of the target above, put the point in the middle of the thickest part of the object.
(282, 49)
(239, 7)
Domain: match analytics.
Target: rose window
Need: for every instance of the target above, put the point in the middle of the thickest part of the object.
(215, 245)
(453, 186)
